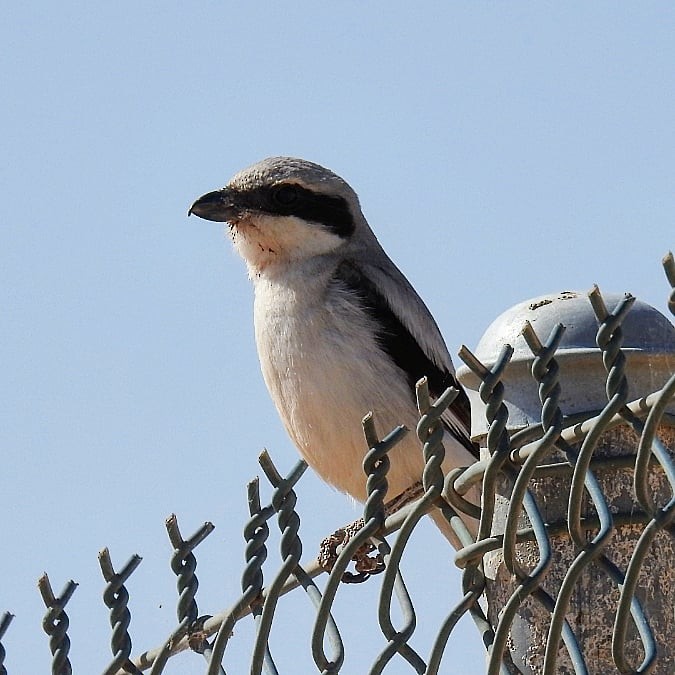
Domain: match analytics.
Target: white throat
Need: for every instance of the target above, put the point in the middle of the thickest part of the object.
(268, 241)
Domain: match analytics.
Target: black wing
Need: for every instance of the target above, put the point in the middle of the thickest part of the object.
(397, 341)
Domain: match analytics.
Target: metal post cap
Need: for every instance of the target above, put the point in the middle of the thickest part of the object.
(648, 344)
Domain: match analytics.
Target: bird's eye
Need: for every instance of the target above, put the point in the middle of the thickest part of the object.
(285, 195)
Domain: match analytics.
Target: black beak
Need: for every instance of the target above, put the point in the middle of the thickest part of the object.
(215, 206)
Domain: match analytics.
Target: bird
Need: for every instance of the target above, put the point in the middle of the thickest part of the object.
(339, 329)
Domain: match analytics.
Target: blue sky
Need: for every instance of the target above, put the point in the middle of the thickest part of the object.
(500, 151)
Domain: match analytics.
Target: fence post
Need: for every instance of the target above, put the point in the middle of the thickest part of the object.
(595, 522)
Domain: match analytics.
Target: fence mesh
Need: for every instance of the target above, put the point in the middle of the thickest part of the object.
(521, 574)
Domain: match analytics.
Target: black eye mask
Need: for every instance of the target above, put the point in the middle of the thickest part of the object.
(290, 199)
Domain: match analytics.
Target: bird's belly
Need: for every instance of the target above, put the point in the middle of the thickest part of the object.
(323, 383)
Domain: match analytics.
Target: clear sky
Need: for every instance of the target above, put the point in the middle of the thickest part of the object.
(501, 150)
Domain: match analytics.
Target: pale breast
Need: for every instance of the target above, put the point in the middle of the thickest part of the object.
(325, 371)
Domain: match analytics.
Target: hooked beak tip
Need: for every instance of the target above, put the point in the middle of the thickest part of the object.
(212, 206)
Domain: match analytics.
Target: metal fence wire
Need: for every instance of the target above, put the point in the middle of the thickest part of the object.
(570, 571)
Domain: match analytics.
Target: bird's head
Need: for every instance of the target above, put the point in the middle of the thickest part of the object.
(284, 209)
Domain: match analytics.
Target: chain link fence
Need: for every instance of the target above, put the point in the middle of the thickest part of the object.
(569, 571)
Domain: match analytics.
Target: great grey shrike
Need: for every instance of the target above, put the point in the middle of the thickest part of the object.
(340, 331)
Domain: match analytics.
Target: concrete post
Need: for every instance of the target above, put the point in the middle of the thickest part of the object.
(649, 350)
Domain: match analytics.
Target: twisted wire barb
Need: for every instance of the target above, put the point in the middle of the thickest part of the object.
(4, 625)
(283, 503)
(55, 624)
(499, 447)
(545, 371)
(609, 339)
(491, 391)
(376, 465)
(284, 500)
(430, 432)
(183, 563)
(256, 533)
(116, 598)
